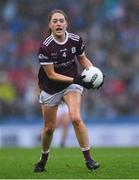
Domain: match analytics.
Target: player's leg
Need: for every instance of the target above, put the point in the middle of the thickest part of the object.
(73, 100)
(49, 116)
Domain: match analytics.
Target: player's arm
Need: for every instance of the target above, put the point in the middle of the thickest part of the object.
(49, 70)
(81, 56)
(48, 66)
(84, 61)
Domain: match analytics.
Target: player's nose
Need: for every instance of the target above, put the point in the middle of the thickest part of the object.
(59, 23)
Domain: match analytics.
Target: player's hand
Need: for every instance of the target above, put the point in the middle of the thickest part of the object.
(79, 80)
(102, 82)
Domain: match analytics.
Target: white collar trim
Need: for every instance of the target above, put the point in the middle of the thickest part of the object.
(61, 43)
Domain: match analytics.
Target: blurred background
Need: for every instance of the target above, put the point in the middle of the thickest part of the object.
(110, 29)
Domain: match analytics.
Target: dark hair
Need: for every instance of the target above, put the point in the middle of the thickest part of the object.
(52, 13)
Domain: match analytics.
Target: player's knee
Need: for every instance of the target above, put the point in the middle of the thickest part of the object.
(76, 121)
(49, 130)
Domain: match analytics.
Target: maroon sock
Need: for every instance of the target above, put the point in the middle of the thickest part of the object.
(44, 157)
(86, 154)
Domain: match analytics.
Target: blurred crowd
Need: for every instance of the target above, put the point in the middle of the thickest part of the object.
(110, 29)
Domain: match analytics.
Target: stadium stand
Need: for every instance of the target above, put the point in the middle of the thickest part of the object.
(110, 29)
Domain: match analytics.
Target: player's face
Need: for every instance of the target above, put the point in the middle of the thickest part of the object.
(58, 25)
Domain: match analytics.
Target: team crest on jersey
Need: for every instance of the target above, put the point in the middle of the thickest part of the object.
(73, 50)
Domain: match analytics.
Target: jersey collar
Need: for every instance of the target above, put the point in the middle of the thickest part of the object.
(61, 43)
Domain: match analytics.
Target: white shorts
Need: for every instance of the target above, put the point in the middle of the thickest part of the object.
(56, 99)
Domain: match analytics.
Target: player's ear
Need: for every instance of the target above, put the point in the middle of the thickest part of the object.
(66, 24)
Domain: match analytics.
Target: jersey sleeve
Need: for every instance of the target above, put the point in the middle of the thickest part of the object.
(44, 57)
(80, 47)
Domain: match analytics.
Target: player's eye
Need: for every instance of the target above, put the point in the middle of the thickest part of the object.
(58, 20)
(54, 21)
(61, 20)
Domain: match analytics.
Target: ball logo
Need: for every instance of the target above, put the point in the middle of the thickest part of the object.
(94, 77)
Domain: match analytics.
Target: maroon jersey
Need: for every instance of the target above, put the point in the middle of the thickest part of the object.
(62, 56)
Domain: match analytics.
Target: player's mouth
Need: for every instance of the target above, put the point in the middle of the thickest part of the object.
(59, 29)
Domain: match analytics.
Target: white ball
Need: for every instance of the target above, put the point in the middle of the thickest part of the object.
(94, 75)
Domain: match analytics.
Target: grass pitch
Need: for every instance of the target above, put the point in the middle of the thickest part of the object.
(68, 163)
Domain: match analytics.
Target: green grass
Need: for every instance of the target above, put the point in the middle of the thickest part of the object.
(116, 163)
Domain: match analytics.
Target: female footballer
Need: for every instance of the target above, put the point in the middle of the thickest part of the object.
(59, 81)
